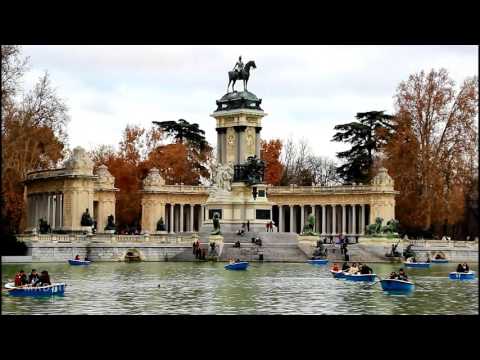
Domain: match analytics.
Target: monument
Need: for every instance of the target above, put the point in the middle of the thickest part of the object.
(238, 193)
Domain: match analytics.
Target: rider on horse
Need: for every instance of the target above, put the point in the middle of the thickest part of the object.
(239, 65)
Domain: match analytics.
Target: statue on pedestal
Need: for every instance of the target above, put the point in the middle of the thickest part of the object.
(223, 176)
(216, 225)
(43, 226)
(309, 228)
(110, 223)
(240, 72)
(160, 225)
(86, 219)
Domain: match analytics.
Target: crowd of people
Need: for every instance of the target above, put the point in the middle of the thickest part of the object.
(463, 268)
(21, 279)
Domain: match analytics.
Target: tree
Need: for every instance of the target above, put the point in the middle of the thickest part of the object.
(182, 131)
(33, 133)
(302, 167)
(270, 153)
(433, 157)
(13, 68)
(367, 136)
(139, 151)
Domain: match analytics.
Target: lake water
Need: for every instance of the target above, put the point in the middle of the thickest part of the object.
(206, 288)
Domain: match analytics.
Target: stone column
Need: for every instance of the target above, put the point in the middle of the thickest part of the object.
(344, 219)
(61, 210)
(354, 230)
(202, 214)
(54, 212)
(219, 146)
(170, 220)
(302, 217)
(324, 218)
(257, 141)
(191, 217)
(362, 220)
(280, 218)
(313, 213)
(48, 209)
(334, 223)
(291, 218)
(181, 217)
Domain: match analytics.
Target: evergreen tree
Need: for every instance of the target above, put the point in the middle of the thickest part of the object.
(367, 136)
(182, 131)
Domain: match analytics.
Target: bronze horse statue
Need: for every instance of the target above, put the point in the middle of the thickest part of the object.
(242, 75)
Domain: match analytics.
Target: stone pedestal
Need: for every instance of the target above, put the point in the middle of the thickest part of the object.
(308, 239)
(217, 239)
(109, 232)
(239, 206)
(87, 229)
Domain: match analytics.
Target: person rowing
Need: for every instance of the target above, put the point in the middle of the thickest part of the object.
(402, 275)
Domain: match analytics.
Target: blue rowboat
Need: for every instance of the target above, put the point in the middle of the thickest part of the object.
(338, 274)
(48, 290)
(439, 261)
(424, 265)
(396, 285)
(360, 277)
(318, 261)
(242, 265)
(462, 276)
(79, 262)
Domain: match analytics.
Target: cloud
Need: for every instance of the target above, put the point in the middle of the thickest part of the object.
(306, 90)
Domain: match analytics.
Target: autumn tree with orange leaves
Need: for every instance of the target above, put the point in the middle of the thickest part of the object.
(270, 153)
(141, 150)
(433, 155)
(33, 132)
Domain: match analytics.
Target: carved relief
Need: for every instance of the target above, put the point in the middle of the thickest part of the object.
(250, 141)
(231, 145)
(105, 179)
(153, 180)
(79, 162)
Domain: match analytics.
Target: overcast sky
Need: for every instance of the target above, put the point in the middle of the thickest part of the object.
(306, 90)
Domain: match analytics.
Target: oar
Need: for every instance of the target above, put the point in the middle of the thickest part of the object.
(417, 284)
(376, 282)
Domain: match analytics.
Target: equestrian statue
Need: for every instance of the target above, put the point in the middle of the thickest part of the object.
(240, 72)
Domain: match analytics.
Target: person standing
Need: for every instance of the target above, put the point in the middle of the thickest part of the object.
(248, 225)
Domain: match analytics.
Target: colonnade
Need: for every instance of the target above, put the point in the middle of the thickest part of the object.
(330, 219)
(46, 206)
(184, 217)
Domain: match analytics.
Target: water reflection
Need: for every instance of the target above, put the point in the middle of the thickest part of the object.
(206, 288)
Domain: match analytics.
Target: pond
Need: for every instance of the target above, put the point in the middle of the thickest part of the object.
(207, 288)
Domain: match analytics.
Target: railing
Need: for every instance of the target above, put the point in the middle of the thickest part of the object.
(442, 244)
(293, 189)
(42, 174)
(110, 238)
(200, 189)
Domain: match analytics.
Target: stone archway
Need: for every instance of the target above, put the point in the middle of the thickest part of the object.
(441, 255)
(132, 255)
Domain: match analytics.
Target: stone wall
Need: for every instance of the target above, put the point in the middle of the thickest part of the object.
(54, 252)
